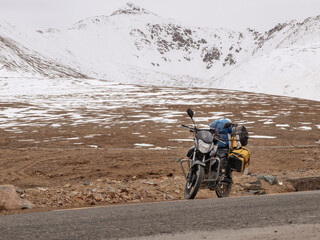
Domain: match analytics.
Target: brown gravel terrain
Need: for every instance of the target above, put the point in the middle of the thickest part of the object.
(122, 143)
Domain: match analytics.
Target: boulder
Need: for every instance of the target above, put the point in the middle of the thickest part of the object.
(9, 199)
(305, 184)
(253, 185)
(268, 178)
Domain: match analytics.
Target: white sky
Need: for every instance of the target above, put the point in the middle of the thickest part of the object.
(233, 14)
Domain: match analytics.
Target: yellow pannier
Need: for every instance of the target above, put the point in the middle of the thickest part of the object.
(239, 159)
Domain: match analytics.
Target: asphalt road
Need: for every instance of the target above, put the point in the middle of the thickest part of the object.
(166, 218)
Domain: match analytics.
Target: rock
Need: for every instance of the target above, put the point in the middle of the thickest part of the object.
(268, 178)
(288, 187)
(126, 197)
(262, 192)
(74, 193)
(27, 205)
(150, 183)
(271, 179)
(111, 194)
(254, 185)
(85, 183)
(254, 191)
(122, 188)
(96, 196)
(9, 199)
(143, 193)
(2, 206)
(67, 185)
(19, 190)
(170, 197)
(305, 184)
(93, 196)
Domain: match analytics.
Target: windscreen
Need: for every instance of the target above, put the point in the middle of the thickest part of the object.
(205, 136)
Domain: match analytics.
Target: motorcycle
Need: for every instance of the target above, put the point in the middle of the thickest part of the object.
(206, 164)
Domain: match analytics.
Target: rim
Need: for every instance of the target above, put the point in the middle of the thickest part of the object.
(189, 185)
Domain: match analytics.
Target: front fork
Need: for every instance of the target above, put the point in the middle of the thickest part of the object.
(192, 163)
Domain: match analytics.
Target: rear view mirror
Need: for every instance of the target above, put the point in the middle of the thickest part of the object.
(227, 125)
(190, 112)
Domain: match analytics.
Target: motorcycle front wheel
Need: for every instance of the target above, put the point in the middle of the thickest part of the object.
(193, 185)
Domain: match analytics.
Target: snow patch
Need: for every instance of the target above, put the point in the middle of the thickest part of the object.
(304, 128)
(143, 145)
(262, 136)
(282, 125)
(182, 140)
(93, 146)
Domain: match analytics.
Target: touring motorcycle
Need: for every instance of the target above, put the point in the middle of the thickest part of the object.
(206, 164)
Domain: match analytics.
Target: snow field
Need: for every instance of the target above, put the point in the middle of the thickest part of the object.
(82, 102)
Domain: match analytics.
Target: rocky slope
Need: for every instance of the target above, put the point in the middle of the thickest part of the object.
(16, 60)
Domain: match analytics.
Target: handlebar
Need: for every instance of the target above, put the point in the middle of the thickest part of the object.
(191, 129)
(194, 129)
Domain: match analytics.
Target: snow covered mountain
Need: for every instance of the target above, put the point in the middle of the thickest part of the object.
(18, 61)
(134, 41)
(286, 61)
(134, 45)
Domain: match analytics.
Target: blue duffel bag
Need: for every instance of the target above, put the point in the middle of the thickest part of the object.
(219, 124)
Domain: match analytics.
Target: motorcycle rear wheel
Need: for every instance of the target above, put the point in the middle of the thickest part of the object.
(224, 189)
(192, 187)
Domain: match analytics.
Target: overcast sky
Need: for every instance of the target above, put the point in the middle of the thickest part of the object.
(233, 14)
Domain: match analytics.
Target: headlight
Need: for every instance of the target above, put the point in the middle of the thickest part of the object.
(204, 147)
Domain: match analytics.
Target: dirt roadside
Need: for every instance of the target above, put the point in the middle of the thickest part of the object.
(63, 165)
